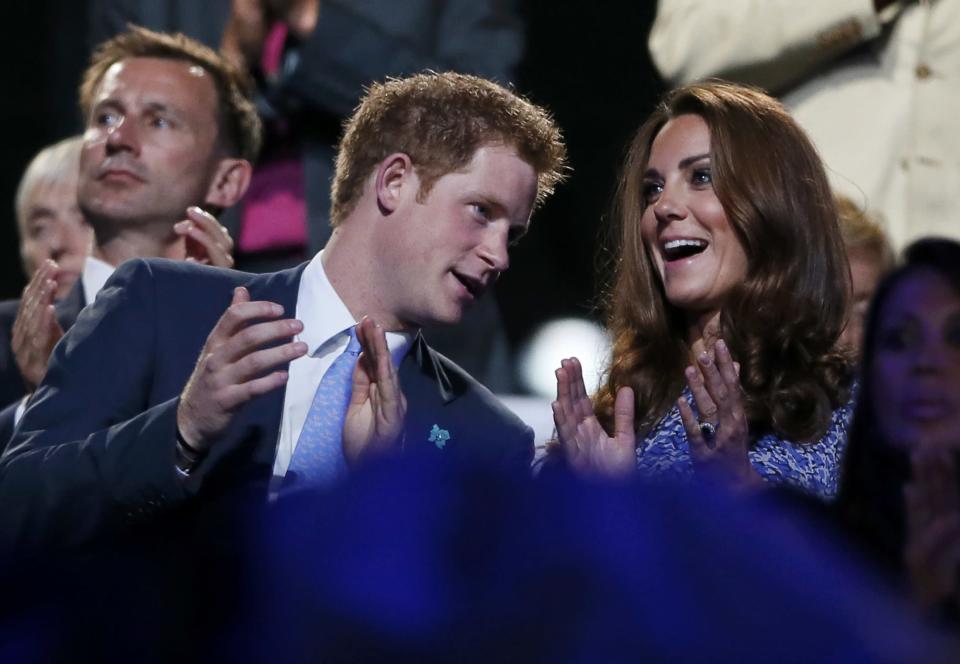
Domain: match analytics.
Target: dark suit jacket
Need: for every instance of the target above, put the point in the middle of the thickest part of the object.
(11, 382)
(12, 385)
(95, 449)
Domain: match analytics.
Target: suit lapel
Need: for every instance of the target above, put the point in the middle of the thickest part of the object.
(429, 388)
(267, 410)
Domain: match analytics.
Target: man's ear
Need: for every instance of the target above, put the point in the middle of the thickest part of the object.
(394, 180)
(229, 184)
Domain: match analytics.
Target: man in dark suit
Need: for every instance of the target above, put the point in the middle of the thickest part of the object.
(170, 127)
(217, 382)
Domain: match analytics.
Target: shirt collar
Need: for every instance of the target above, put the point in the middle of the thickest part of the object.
(94, 276)
(326, 319)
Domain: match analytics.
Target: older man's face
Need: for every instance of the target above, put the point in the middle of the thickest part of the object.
(51, 226)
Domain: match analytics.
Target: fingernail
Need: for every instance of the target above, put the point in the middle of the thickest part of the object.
(182, 225)
(276, 309)
(721, 345)
(691, 373)
(704, 359)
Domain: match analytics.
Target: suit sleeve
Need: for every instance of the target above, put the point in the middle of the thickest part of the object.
(350, 48)
(523, 452)
(91, 452)
(770, 43)
(507, 445)
(8, 419)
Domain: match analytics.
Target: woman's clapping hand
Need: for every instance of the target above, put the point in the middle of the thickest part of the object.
(584, 443)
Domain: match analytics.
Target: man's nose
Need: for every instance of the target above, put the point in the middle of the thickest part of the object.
(494, 249)
(55, 241)
(123, 136)
(930, 355)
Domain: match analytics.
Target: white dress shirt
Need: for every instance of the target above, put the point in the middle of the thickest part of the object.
(326, 326)
(94, 276)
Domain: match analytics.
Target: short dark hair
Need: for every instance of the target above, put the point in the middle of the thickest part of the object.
(440, 120)
(240, 129)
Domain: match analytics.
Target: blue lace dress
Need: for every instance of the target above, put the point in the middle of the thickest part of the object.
(814, 468)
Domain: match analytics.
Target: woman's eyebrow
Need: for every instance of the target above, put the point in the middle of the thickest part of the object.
(685, 162)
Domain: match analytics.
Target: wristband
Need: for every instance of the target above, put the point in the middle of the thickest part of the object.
(187, 457)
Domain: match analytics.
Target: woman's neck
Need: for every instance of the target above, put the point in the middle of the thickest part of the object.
(703, 331)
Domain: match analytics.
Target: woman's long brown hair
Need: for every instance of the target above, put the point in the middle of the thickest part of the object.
(783, 322)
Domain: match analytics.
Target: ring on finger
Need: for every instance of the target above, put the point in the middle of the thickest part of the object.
(708, 430)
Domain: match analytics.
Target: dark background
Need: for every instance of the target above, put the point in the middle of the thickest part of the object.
(590, 67)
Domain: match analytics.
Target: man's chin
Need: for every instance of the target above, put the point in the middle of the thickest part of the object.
(445, 318)
(65, 283)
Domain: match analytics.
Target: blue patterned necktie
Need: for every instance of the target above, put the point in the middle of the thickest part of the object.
(318, 458)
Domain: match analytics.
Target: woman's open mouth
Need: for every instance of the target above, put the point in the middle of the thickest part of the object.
(675, 250)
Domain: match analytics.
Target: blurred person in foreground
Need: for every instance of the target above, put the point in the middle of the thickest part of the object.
(899, 491)
(730, 291)
(418, 560)
(870, 256)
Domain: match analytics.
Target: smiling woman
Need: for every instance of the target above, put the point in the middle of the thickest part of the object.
(693, 246)
(730, 291)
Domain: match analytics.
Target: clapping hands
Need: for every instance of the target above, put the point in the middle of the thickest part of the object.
(205, 240)
(35, 329)
(375, 415)
(720, 439)
(932, 551)
(584, 443)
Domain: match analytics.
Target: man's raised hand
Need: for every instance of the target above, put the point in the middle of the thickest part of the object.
(374, 418)
(205, 240)
(235, 366)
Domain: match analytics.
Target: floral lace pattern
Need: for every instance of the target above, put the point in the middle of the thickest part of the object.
(813, 468)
